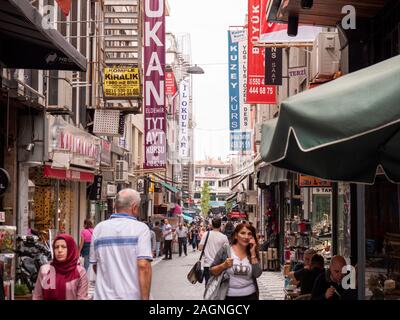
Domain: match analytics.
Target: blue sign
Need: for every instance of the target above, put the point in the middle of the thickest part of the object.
(240, 141)
(234, 100)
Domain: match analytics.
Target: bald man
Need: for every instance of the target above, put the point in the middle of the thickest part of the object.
(328, 286)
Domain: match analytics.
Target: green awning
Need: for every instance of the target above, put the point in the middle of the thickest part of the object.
(345, 130)
(168, 186)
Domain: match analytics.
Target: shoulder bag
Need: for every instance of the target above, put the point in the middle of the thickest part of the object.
(196, 273)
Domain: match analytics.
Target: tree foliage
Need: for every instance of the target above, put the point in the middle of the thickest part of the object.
(205, 199)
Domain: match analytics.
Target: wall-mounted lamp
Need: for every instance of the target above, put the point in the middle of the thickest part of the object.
(30, 147)
(306, 4)
(195, 70)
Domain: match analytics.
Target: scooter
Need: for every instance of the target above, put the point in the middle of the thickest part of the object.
(31, 255)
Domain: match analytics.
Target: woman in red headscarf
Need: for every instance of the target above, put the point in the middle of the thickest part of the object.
(63, 278)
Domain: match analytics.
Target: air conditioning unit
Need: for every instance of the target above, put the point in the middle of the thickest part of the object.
(121, 171)
(325, 56)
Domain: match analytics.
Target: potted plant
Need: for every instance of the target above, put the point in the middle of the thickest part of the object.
(22, 292)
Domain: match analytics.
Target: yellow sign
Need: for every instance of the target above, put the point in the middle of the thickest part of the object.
(121, 82)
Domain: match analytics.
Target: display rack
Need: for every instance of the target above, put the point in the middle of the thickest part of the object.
(297, 240)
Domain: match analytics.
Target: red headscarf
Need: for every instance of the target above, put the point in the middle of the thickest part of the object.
(66, 270)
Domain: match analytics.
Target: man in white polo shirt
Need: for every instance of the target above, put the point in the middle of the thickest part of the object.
(121, 252)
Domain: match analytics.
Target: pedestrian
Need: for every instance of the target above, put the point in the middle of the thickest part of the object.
(158, 233)
(162, 242)
(168, 236)
(63, 278)
(121, 252)
(216, 240)
(241, 265)
(229, 229)
(182, 233)
(152, 240)
(86, 239)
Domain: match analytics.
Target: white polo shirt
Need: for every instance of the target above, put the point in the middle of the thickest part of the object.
(116, 246)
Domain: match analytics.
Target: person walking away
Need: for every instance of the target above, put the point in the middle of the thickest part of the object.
(121, 252)
(168, 236)
(157, 230)
(242, 267)
(86, 239)
(2, 295)
(182, 233)
(63, 278)
(153, 240)
(216, 240)
(229, 229)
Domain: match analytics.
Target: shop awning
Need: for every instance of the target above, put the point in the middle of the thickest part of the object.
(168, 186)
(26, 44)
(68, 174)
(231, 197)
(269, 174)
(344, 130)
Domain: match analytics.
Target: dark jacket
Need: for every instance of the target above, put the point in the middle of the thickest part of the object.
(324, 282)
(1, 284)
(220, 257)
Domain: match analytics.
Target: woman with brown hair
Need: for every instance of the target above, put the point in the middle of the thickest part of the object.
(241, 265)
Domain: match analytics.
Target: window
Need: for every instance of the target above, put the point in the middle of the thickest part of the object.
(197, 171)
(197, 183)
(211, 183)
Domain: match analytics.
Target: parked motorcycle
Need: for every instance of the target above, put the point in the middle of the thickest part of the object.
(31, 255)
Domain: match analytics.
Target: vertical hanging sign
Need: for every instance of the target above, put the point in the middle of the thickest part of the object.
(244, 108)
(154, 75)
(257, 92)
(234, 103)
(273, 66)
(184, 119)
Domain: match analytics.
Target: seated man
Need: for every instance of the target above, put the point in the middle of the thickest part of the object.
(297, 275)
(328, 285)
(310, 275)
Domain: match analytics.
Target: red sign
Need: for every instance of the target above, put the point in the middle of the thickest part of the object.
(70, 174)
(154, 86)
(237, 215)
(170, 88)
(308, 181)
(256, 91)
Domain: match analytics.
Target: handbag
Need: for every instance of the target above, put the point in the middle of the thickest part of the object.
(213, 289)
(196, 274)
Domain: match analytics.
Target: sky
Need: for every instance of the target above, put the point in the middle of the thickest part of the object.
(207, 22)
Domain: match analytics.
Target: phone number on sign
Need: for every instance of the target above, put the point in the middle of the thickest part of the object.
(260, 90)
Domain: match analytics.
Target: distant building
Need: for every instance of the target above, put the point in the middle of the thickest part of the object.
(212, 171)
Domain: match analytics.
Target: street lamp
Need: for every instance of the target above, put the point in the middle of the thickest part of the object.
(195, 70)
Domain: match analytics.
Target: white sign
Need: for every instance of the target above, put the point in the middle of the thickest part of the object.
(298, 72)
(111, 190)
(244, 108)
(184, 119)
(2, 216)
(238, 35)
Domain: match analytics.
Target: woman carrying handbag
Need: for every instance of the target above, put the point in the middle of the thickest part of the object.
(236, 268)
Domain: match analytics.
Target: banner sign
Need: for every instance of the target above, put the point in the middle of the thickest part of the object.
(234, 103)
(277, 32)
(184, 91)
(244, 108)
(311, 182)
(105, 156)
(240, 141)
(154, 96)
(257, 92)
(170, 88)
(273, 66)
(95, 188)
(121, 82)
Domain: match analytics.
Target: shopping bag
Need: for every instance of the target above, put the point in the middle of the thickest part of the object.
(196, 273)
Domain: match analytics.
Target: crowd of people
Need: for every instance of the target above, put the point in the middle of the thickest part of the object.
(121, 248)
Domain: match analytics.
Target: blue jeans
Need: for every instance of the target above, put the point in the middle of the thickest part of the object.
(158, 245)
